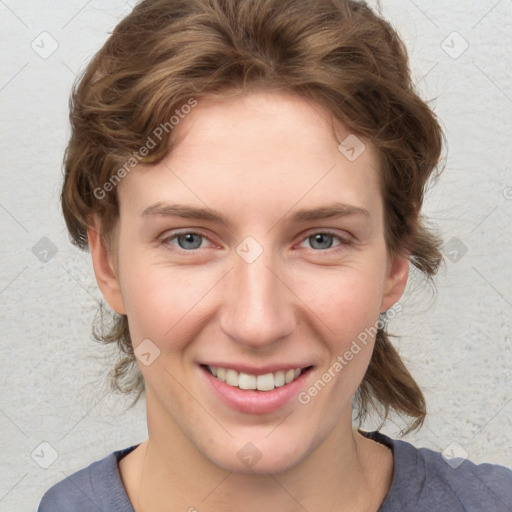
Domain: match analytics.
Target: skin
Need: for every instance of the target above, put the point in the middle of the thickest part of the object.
(255, 158)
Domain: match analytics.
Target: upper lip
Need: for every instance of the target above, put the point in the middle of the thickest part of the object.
(258, 370)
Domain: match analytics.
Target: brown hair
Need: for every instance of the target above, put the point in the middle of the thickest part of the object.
(337, 53)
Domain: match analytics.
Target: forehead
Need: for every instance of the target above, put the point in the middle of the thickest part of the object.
(263, 149)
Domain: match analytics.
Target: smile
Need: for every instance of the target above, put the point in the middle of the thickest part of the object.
(244, 391)
(266, 382)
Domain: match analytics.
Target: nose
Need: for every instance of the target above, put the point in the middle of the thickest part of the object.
(258, 305)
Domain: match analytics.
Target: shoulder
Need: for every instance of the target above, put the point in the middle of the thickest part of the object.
(424, 480)
(97, 487)
(474, 487)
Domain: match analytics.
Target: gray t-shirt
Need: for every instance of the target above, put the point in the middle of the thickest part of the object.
(423, 481)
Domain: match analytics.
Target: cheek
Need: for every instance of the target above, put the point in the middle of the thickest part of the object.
(347, 299)
(162, 301)
(351, 310)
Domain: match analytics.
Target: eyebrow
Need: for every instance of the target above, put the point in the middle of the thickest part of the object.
(334, 210)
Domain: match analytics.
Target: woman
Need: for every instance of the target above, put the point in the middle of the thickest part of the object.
(248, 177)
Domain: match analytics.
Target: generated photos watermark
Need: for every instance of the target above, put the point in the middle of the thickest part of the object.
(343, 360)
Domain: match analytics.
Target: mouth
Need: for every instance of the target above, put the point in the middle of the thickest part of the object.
(254, 394)
(263, 382)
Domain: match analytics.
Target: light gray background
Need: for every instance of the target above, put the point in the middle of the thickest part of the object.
(458, 343)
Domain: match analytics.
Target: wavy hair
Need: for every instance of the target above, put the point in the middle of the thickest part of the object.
(337, 53)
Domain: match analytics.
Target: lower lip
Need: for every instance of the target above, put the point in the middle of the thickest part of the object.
(254, 401)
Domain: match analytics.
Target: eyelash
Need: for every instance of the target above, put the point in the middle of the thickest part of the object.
(330, 250)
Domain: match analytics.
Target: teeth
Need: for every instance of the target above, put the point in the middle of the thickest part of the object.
(279, 379)
(232, 378)
(265, 382)
(246, 381)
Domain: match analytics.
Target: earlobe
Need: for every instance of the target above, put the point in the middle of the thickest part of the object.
(396, 282)
(104, 271)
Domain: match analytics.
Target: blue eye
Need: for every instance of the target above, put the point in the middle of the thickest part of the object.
(324, 238)
(190, 241)
(186, 240)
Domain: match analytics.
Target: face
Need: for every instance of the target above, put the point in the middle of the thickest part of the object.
(268, 289)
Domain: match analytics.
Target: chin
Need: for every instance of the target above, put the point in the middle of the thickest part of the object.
(258, 457)
(272, 464)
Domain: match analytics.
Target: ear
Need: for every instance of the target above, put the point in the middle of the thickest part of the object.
(106, 277)
(396, 280)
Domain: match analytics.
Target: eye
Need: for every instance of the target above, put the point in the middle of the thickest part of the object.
(324, 240)
(190, 241)
(187, 241)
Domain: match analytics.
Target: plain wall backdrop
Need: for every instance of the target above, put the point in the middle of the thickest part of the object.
(56, 414)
